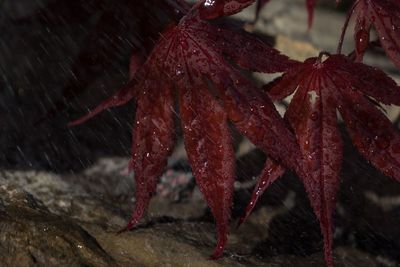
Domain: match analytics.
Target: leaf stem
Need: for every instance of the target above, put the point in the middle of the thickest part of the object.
(322, 55)
(346, 24)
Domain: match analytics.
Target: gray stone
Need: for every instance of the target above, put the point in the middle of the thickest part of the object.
(41, 225)
(33, 236)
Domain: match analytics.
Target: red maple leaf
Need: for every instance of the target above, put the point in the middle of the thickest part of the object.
(323, 87)
(384, 15)
(211, 9)
(190, 61)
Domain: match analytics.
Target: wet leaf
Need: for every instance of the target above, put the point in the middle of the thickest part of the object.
(193, 57)
(210, 150)
(384, 16)
(321, 88)
(211, 9)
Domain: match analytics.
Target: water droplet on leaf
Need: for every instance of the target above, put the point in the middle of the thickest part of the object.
(211, 9)
(362, 37)
(382, 142)
(314, 116)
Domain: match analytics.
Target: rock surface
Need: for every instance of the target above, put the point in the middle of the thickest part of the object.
(33, 236)
(42, 226)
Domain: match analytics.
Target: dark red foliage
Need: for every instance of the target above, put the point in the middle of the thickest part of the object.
(211, 9)
(196, 66)
(323, 87)
(271, 172)
(384, 16)
(190, 60)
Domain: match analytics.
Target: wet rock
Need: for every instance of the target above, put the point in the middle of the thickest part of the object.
(33, 236)
(343, 257)
(45, 226)
(190, 243)
(64, 196)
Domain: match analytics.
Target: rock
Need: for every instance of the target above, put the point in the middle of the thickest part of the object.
(43, 224)
(33, 236)
(184, 244)
(67, 195)
(343, 257)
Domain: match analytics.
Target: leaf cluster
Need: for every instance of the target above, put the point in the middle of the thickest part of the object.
(195, 68)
